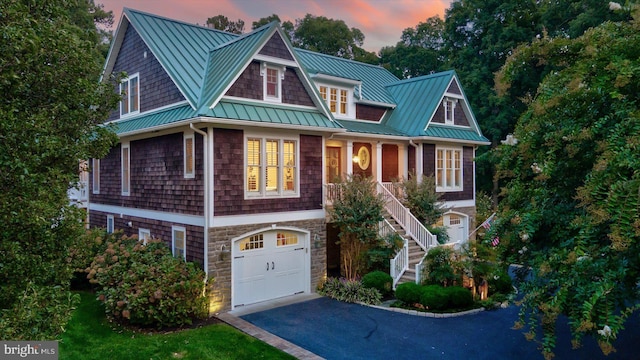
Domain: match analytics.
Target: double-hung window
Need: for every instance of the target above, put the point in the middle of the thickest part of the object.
(126, 170)
(272, 82)
(110, 224)
(336, 98)
(144, 235)
(449, 110)
(448, 169)
(179, 241)
(271, 167)
(95, 171)
(130, 91)
(189, 158)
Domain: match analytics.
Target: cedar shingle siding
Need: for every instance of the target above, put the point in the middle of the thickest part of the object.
(276, 47)
(460, 118)
(429, 151)
(372, 113)
(229, 177)
(249, 86)
(157, 180)
(156, 87)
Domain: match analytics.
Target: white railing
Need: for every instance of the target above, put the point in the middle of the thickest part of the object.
(409, 223)
(400, 263)
(385, 228)
(332, 192)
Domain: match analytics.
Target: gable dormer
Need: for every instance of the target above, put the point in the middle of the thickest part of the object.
(451, 110)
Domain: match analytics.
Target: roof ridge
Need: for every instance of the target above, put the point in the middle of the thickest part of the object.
(339, 58)
(244, 36)
(422, 77)
(128, 9)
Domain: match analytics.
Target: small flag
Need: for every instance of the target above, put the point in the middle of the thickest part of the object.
(495, 241)
(487, 223)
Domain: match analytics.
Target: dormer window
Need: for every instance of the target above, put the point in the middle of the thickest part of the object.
(337, 99)
(273, 77)
(449, 110)
(130, 91)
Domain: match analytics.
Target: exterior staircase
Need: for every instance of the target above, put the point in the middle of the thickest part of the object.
(415, 251)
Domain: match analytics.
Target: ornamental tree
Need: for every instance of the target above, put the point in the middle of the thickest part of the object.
(357, 211)
(571, 204)
(52, 103)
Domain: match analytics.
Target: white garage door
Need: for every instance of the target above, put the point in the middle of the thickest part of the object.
(269, 265)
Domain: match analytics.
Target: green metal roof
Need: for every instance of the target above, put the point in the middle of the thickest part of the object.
(181, 48)
(418, 99)
(155, 119)
(271, 113)
(204, 62)
(226, 61)
(374, 78)
(448, 132)
(364, 127)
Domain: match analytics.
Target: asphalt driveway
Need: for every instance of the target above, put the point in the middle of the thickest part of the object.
(337, 330)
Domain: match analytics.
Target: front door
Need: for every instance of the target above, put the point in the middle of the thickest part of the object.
(332, 161)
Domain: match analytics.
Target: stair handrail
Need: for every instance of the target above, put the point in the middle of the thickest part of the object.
(400, 263)
(413, 227)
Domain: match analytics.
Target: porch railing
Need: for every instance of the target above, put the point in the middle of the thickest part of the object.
(405, 218)
(400, 263)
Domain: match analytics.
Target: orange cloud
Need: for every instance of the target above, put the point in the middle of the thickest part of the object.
(381, 21)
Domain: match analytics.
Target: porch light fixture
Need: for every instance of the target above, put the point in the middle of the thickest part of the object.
(356, 159)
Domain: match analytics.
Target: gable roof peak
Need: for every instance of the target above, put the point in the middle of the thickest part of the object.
(130, 11)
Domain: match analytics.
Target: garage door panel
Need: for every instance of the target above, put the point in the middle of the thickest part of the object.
(269, 265)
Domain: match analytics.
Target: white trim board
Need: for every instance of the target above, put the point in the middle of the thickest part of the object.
(177, 218)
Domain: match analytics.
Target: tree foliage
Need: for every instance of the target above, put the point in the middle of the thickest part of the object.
(572, 197)
(49, 114)
(357, 213)
(221, 22)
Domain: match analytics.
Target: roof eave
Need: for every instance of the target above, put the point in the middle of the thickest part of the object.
(450, 140)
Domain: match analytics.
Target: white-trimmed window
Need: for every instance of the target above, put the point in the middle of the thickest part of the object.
(130, 91)
(336, 98)
(95, 171)
(179, 241)
(271, 167)
(448, 169)
(126, 169)
(189, 155)
(449, 106)
(144, 235)
(272, 82)
(110, 224)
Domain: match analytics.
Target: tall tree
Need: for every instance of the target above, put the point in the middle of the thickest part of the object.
(331, 37)
(52, 105)
(571, 208)
(419, 52)
(221, 22)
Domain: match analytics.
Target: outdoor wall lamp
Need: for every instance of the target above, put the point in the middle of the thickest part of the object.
(356, 159)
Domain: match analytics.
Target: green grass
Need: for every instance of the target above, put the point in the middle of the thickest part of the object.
(90, 336)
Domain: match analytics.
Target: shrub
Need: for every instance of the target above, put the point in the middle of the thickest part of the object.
(378, 256)
(500, 282)
(349, 291)
(459, 297)
(434, 297)
(84, 250)
(378, 280)
(145, 285)
(441, 267)
(409, 293)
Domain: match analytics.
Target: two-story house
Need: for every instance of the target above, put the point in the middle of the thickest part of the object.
(228, 144)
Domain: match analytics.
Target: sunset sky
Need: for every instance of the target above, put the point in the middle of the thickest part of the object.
(381, 21)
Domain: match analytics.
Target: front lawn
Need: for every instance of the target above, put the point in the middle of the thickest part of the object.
(90, 336)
